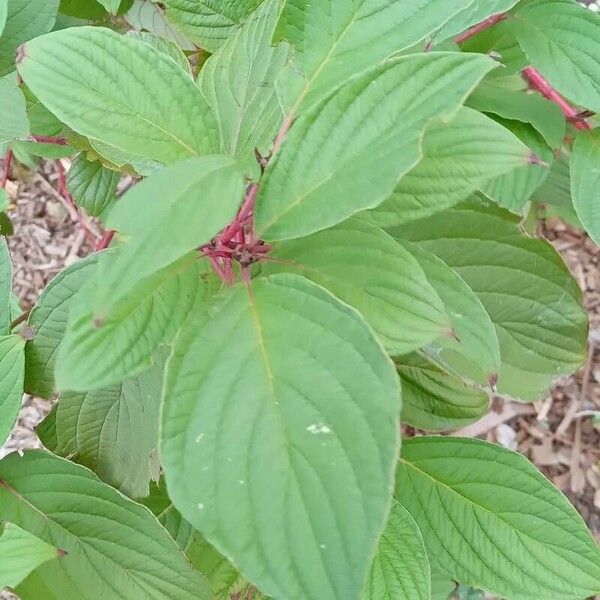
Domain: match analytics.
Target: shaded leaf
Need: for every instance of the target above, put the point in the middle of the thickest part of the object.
(12, 371)
(92, 186)
(14, 124)
(6, 272)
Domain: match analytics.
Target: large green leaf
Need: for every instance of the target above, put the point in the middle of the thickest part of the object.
(92, 186)
(165, 216)
(5, 286)
(476, 12)
(48, 321)
(504, 527)
(239, 84)
(25, 19)
(519, 105)
(21, 554)
(585, 181)
(560, 38)
(209, 22)
(3, 14)
(435, 400)
(279, 436)
(115, 547)
(14, 124)
(120, 90)
(365, 267)
(457, 158)
(113, 431)
(12, 372)
(514, 189)
(474, 338)
(556, 188)
(166, 46)
(348, 152)
(524, 286)
(335, 40)
(98, 353)
(441, 584)
(400, 569)
(83, 9)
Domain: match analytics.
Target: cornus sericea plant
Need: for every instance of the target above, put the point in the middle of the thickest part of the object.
(322, 246)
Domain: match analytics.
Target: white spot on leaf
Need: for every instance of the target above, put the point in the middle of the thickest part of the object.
(318, 428)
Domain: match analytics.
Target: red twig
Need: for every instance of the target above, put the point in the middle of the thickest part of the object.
(285, 127)
(6, 163)
(45, 139)
(537, 82)
(473, 31)
(105, 240)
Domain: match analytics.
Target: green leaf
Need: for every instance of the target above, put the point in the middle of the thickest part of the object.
(476, 12)
(101, 351)
(457, 158)
(343, 156)
(113, 431)
(336, 40)
(435, 400)
(4, 202)
(524, 286)
(505, 529)
(556, 188)
(12, 372)
(145, 15)
(239, 83)
(560, 37)
(545, 116)
(92, 186)
(400, 569)
(111, 6)
(165, 216)
(115, 547)
(48, 321)
(585, 181)
(441, 585)
(21, 554)
(14, 124)
(83, 9)
(474, 338)
(133, 97)
(25, 19)
(5, 286)
(115, 157)
(167, 47)
(365, 267)
(514, 189)
(208, 22)
(41, 120)
(283, 384)
(3, 14)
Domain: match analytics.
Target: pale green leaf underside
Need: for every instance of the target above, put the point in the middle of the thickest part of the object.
(116, 548)
(365, 267)
(121, 91)
(560, 38)
(400, 569)
(14, 124)
(25, 19)
(166, 46)
(239, 83)
(435, 400)
(336, 40)
(474, 337)
(48, 320)
(12, 372)
(348, 152)
(21, 554)
(514, 189)
(585, 181)
(520, 105)
(113, 431)
(101, 351)
(92, 186)
(505, 529)
(165, 216)
(457, 158)
(209, 22)
(524, 286)
(279, 435)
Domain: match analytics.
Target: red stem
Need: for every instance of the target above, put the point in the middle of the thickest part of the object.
(537, 82)
(473, 31)
(106, 239)
(285, 127)
(6, 167)
(45, 139)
